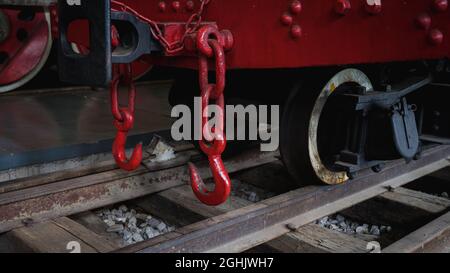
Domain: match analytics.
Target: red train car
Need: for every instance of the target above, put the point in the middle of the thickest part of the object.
(360, 81)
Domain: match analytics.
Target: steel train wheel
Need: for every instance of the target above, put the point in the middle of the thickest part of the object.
(311, 124)
(25, 45)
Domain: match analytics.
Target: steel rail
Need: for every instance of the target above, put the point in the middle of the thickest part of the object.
(242, 229)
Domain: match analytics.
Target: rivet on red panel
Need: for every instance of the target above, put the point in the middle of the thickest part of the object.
(228, 39)
(162, 6)
(374, 7)
(440, 5)
(342, 7)
(436, 37)
(287, 19)
(176, 5)
(296, 7)
(296, 31)
(424, 21)
(190, 5)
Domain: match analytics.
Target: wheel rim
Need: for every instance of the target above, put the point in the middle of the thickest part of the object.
(29, 55)
(321, 170)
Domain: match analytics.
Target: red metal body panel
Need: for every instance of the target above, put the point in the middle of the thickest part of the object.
(264, 30)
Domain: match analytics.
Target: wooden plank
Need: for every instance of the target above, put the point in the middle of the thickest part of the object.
(96, 241)
(419, 200)
(45, 238)
(95, 224)
(314, 239)
(431, 238)
(401, 206)
(310, 238)
(56, 236)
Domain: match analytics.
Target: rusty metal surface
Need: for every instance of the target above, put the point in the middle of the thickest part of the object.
(104, 189)
(242, 229)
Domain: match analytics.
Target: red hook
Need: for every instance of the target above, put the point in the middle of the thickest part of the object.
(118, 148)
(124, 121)
(221, 179)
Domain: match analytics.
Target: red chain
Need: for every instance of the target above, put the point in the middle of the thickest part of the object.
(124, 118)
(213, 93)
(210, 44)
(191, 26)
(123, 74)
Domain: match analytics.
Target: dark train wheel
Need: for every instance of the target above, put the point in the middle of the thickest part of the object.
(308, 128)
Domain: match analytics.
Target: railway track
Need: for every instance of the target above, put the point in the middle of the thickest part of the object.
(46, 212)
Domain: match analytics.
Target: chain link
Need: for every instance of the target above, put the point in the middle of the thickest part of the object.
(124, 118)
(122, 74)
(191, 26)
(213, 93)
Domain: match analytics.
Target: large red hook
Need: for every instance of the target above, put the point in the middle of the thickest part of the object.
(222, 183)
(124, 120)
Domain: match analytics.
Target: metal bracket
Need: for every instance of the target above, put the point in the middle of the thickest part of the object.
(136, 38)
(95, 68)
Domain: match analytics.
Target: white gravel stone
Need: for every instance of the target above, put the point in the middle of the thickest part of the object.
(162, 226)
(323, 221)
(374, 230)
(137, 237)
(340, 218)
(444, 194)
(170, 229)
(360, 230)
(133, 227)
(123, 208)
(343, 224)
(141, 216)
(115, 228)
(109, 222)
(122, 219)
(334, 222)
(153, 222)
(334, 227)
(132, 221)
(126, 235)
(253, 197)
